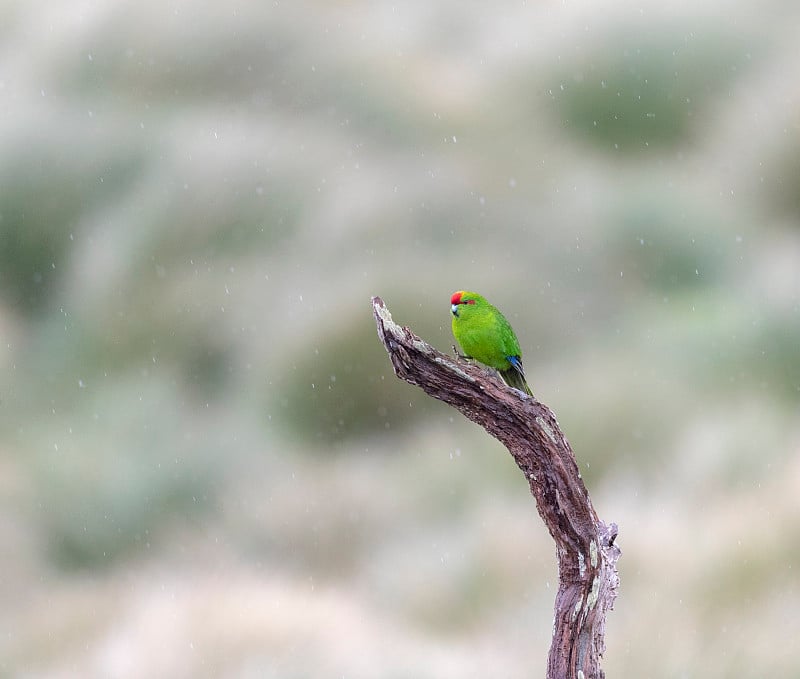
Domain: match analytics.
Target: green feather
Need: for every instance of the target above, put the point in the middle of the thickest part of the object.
(485, 335)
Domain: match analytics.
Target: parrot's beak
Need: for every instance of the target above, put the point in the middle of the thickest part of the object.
(454, 309)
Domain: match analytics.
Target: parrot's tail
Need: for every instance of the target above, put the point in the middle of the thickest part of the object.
(514, 377)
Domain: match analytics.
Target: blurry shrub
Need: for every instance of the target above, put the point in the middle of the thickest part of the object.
(719, 343)
(759, 352)
(269, 70)
(32, 247)
(781, 179)
(669, 244)
(156, 330)
(612, 427)
(751, 570)
(124, 473)
(343, 386)
(644, 87)
(777, 357)
(210, 222)
(46, 191)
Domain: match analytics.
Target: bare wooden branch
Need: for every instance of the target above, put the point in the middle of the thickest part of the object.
(585, 547)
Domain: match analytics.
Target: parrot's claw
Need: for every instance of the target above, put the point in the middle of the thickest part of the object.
(461, 356)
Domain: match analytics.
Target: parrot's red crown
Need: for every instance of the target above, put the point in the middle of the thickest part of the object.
(456, 298)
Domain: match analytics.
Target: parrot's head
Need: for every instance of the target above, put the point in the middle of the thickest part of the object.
(462, 298)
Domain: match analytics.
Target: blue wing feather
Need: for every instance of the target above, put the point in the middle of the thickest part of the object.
(516, 363)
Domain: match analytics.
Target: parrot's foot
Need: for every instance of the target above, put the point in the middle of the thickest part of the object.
(462, 356)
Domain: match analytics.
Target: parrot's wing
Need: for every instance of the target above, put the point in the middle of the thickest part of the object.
(516, 363)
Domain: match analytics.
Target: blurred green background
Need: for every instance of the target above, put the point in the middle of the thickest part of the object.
(208, 468)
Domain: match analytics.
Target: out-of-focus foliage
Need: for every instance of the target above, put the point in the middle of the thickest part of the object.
(208, 466)
(643, 84)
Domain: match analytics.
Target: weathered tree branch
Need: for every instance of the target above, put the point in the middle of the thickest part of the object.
(587, 555)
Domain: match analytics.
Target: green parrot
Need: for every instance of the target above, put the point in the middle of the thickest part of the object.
(485, 335)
